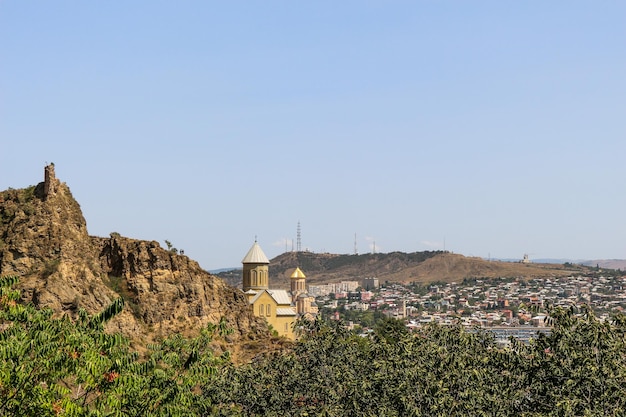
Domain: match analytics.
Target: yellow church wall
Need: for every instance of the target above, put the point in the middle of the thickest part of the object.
(266, 307)
(284, 326)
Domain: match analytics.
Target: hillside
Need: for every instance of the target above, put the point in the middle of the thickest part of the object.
(44, 240)
(323, 268)
(607, 263)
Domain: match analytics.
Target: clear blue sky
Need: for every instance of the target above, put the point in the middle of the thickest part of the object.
(499, 126)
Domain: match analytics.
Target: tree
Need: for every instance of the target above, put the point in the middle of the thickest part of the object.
(53, 366)
(170, 247)
(390, 330)
(57, 366)
(576, 370)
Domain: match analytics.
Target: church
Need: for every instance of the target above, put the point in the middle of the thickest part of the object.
(281, 308)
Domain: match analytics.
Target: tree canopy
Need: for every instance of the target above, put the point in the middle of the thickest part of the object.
(55, 366)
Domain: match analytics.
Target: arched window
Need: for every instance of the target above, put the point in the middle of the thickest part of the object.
(254, 282)
(269, 310)
(261, 310)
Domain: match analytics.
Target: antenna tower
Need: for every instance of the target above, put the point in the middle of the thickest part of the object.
(299, 241)
(356, 252)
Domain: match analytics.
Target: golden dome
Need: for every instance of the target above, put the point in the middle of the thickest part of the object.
(298, 274)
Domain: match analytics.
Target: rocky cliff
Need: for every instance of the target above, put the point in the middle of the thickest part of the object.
(44, 240)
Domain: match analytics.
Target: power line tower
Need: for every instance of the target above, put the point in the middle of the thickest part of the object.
(299, 241)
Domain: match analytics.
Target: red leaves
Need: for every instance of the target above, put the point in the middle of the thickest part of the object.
(111, 376)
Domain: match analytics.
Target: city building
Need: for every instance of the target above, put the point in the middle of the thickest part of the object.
(371, 283)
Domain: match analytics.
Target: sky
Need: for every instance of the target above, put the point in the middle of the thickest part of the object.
(487, 128)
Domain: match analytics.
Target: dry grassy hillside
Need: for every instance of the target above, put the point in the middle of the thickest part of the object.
(402, 267)
(450, 267)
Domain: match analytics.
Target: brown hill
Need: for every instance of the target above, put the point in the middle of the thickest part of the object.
(323, 268)
(449, 267)
(44, 240)
(607, 263)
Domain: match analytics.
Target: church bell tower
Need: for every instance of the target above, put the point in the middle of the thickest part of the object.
(298, 284)
(255, 269)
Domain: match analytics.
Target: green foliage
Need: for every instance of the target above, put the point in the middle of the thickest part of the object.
(390, 330)
(51, 365)
(577, 370)
(16, 201)
(367, 318)
(580, 368)
(170, 248)
(27, 194)
(56, 366)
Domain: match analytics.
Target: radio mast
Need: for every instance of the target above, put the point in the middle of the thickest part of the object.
(299, 241)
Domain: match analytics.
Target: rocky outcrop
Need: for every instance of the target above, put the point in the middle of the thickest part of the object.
(170, 293)
(44, 240)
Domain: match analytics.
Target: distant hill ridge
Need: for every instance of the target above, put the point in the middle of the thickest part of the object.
(602, 263)
(430, 266)
(607, 263)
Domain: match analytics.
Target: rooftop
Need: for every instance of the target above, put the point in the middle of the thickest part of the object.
(255, 256)
(298, 274)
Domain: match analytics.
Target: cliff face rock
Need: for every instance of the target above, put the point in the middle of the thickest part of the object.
(170, 293)
(44, 240)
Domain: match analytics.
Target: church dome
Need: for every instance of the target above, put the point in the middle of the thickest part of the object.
(255, 256)
(297, 274)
